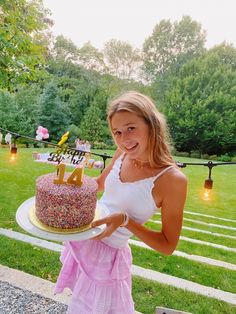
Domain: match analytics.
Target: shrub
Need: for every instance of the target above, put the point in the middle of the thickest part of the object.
(225, 158)
(182, 154)
(213, 157)
(195, 154)
(99, 145)
(205, 156)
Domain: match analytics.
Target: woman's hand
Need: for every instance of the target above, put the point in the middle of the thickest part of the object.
(112, 221)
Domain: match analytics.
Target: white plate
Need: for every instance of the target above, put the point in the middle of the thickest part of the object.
(22, 218)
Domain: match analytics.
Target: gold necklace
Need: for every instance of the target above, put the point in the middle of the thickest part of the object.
(141, 164)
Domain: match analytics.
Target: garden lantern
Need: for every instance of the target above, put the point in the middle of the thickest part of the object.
(13, 152)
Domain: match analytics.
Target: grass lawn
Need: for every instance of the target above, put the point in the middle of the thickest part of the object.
(17, 183)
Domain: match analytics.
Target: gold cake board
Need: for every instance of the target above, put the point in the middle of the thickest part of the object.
(37, 223)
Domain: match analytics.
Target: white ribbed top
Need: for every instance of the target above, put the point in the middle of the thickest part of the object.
(135, 198)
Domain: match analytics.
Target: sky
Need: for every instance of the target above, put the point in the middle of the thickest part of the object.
(99, 21)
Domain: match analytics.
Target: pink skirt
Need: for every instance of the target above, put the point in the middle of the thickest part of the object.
(99, 277)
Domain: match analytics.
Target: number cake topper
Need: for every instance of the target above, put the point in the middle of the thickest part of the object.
(75, 178)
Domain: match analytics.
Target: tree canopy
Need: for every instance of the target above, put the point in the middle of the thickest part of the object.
(23, 41)
(51, 82)
(200, 103)
(168, 41)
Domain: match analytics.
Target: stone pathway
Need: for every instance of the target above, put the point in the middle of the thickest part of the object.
(14, 300)
(22, 293)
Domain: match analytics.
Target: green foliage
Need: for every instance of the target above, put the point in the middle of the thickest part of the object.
(193, 87)
(27, 99)
(8, 110)
(18, 111)
(54, 115)
(23, 41)
(168, 42)
(224, 158)
(91, 127)
(122, 59)
(195, 154)
(91, 58)
(200, 103)
(64, 49)
(74, 133)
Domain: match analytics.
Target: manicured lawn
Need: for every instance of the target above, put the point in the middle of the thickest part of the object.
(17, 183)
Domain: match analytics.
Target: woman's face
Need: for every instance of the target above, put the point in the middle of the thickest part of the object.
(131, 134)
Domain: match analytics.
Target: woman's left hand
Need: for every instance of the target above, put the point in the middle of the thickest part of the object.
(112, 221)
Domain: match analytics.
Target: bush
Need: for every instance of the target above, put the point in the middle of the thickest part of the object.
(99, 145)
(182, 154)
(213, 157)
(225, 158)
(233, 159)
(205, 156)
(195, 154)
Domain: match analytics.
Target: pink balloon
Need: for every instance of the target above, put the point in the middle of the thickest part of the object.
(44, 131)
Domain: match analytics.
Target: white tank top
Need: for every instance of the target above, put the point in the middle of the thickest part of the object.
(135, 198)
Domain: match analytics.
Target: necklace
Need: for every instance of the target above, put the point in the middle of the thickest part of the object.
(141, 164)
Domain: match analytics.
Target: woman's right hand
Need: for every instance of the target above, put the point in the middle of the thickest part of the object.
(112, 221)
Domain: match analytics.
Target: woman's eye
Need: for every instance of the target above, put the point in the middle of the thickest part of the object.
(117, 133)
(131, 128)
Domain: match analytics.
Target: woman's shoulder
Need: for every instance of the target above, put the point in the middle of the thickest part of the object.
(175, 175)
(171, 178)
(170, 185)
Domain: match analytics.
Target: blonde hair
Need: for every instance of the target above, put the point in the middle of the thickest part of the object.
(144, 107)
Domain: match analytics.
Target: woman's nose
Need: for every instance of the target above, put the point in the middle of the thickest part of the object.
(124, 136)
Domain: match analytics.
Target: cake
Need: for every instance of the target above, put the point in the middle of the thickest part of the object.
(65, 206)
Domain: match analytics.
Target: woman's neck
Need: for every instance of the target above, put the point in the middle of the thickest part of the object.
(140, 164)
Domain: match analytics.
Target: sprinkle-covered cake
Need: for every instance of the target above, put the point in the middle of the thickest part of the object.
(65, 206)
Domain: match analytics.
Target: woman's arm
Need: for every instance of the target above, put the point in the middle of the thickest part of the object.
(174, 188)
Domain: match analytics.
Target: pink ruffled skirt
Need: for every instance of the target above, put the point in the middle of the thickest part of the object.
(99, 277)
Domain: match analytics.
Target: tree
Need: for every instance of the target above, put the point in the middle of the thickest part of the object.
(200, 103)
(8, 111)
(91, 127)
(53, 114)
(64, 49)
(13, 116)
(167, 42)
(122, 59)
(23, 43)
(26, 99)
(91, 58)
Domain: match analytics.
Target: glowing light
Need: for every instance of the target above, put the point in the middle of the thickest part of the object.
(207, 195)
(208, 187)
(13, 153)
